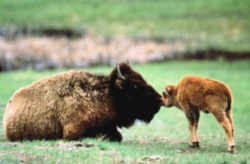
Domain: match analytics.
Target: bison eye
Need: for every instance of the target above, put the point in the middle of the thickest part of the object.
(135, 86)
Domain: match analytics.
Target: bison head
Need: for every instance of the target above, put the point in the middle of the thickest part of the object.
(133, 97)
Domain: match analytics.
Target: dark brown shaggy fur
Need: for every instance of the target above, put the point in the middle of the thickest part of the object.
(195, 93)
(79, 104)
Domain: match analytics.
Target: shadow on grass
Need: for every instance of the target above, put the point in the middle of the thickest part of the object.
(154, 145)
(183, 147)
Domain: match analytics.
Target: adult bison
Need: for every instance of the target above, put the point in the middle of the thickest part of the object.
(80, 104)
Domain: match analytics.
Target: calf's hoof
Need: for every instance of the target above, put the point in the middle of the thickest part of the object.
(195, 145)
(231, 149)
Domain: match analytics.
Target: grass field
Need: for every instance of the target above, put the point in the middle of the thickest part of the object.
(218, 24)
(166, 136)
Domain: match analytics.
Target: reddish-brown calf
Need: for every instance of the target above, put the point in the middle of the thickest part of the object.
(194, 94)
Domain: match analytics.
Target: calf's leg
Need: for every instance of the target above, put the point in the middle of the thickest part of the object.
(229, 116)
(193, 120)
(222, 118)
(196, 124)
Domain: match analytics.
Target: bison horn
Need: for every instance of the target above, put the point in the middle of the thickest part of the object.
(128, 62)
(119, 72)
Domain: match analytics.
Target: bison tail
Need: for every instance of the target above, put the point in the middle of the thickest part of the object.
(229, 102)
(228, 106)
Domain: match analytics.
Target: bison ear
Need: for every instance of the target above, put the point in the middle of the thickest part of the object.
(169, 90)
(128, 62)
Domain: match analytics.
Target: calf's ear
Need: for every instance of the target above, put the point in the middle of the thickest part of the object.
(169, 90)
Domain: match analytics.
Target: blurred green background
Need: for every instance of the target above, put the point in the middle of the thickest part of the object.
(218, 24)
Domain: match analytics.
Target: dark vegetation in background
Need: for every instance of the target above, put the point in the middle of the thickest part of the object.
(214, 54)
(66, 54)
(12, 33)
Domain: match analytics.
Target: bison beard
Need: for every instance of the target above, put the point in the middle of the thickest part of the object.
(84, 105)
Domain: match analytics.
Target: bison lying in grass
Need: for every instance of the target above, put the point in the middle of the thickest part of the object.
(193, 94)
(79, 104)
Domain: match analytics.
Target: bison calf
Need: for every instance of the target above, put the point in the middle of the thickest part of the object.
(79, 104)
(193, 94)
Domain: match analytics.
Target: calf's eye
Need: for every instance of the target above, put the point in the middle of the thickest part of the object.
(164, 94)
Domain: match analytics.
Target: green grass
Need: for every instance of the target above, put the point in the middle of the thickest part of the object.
(166, 136)
(218, 24)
